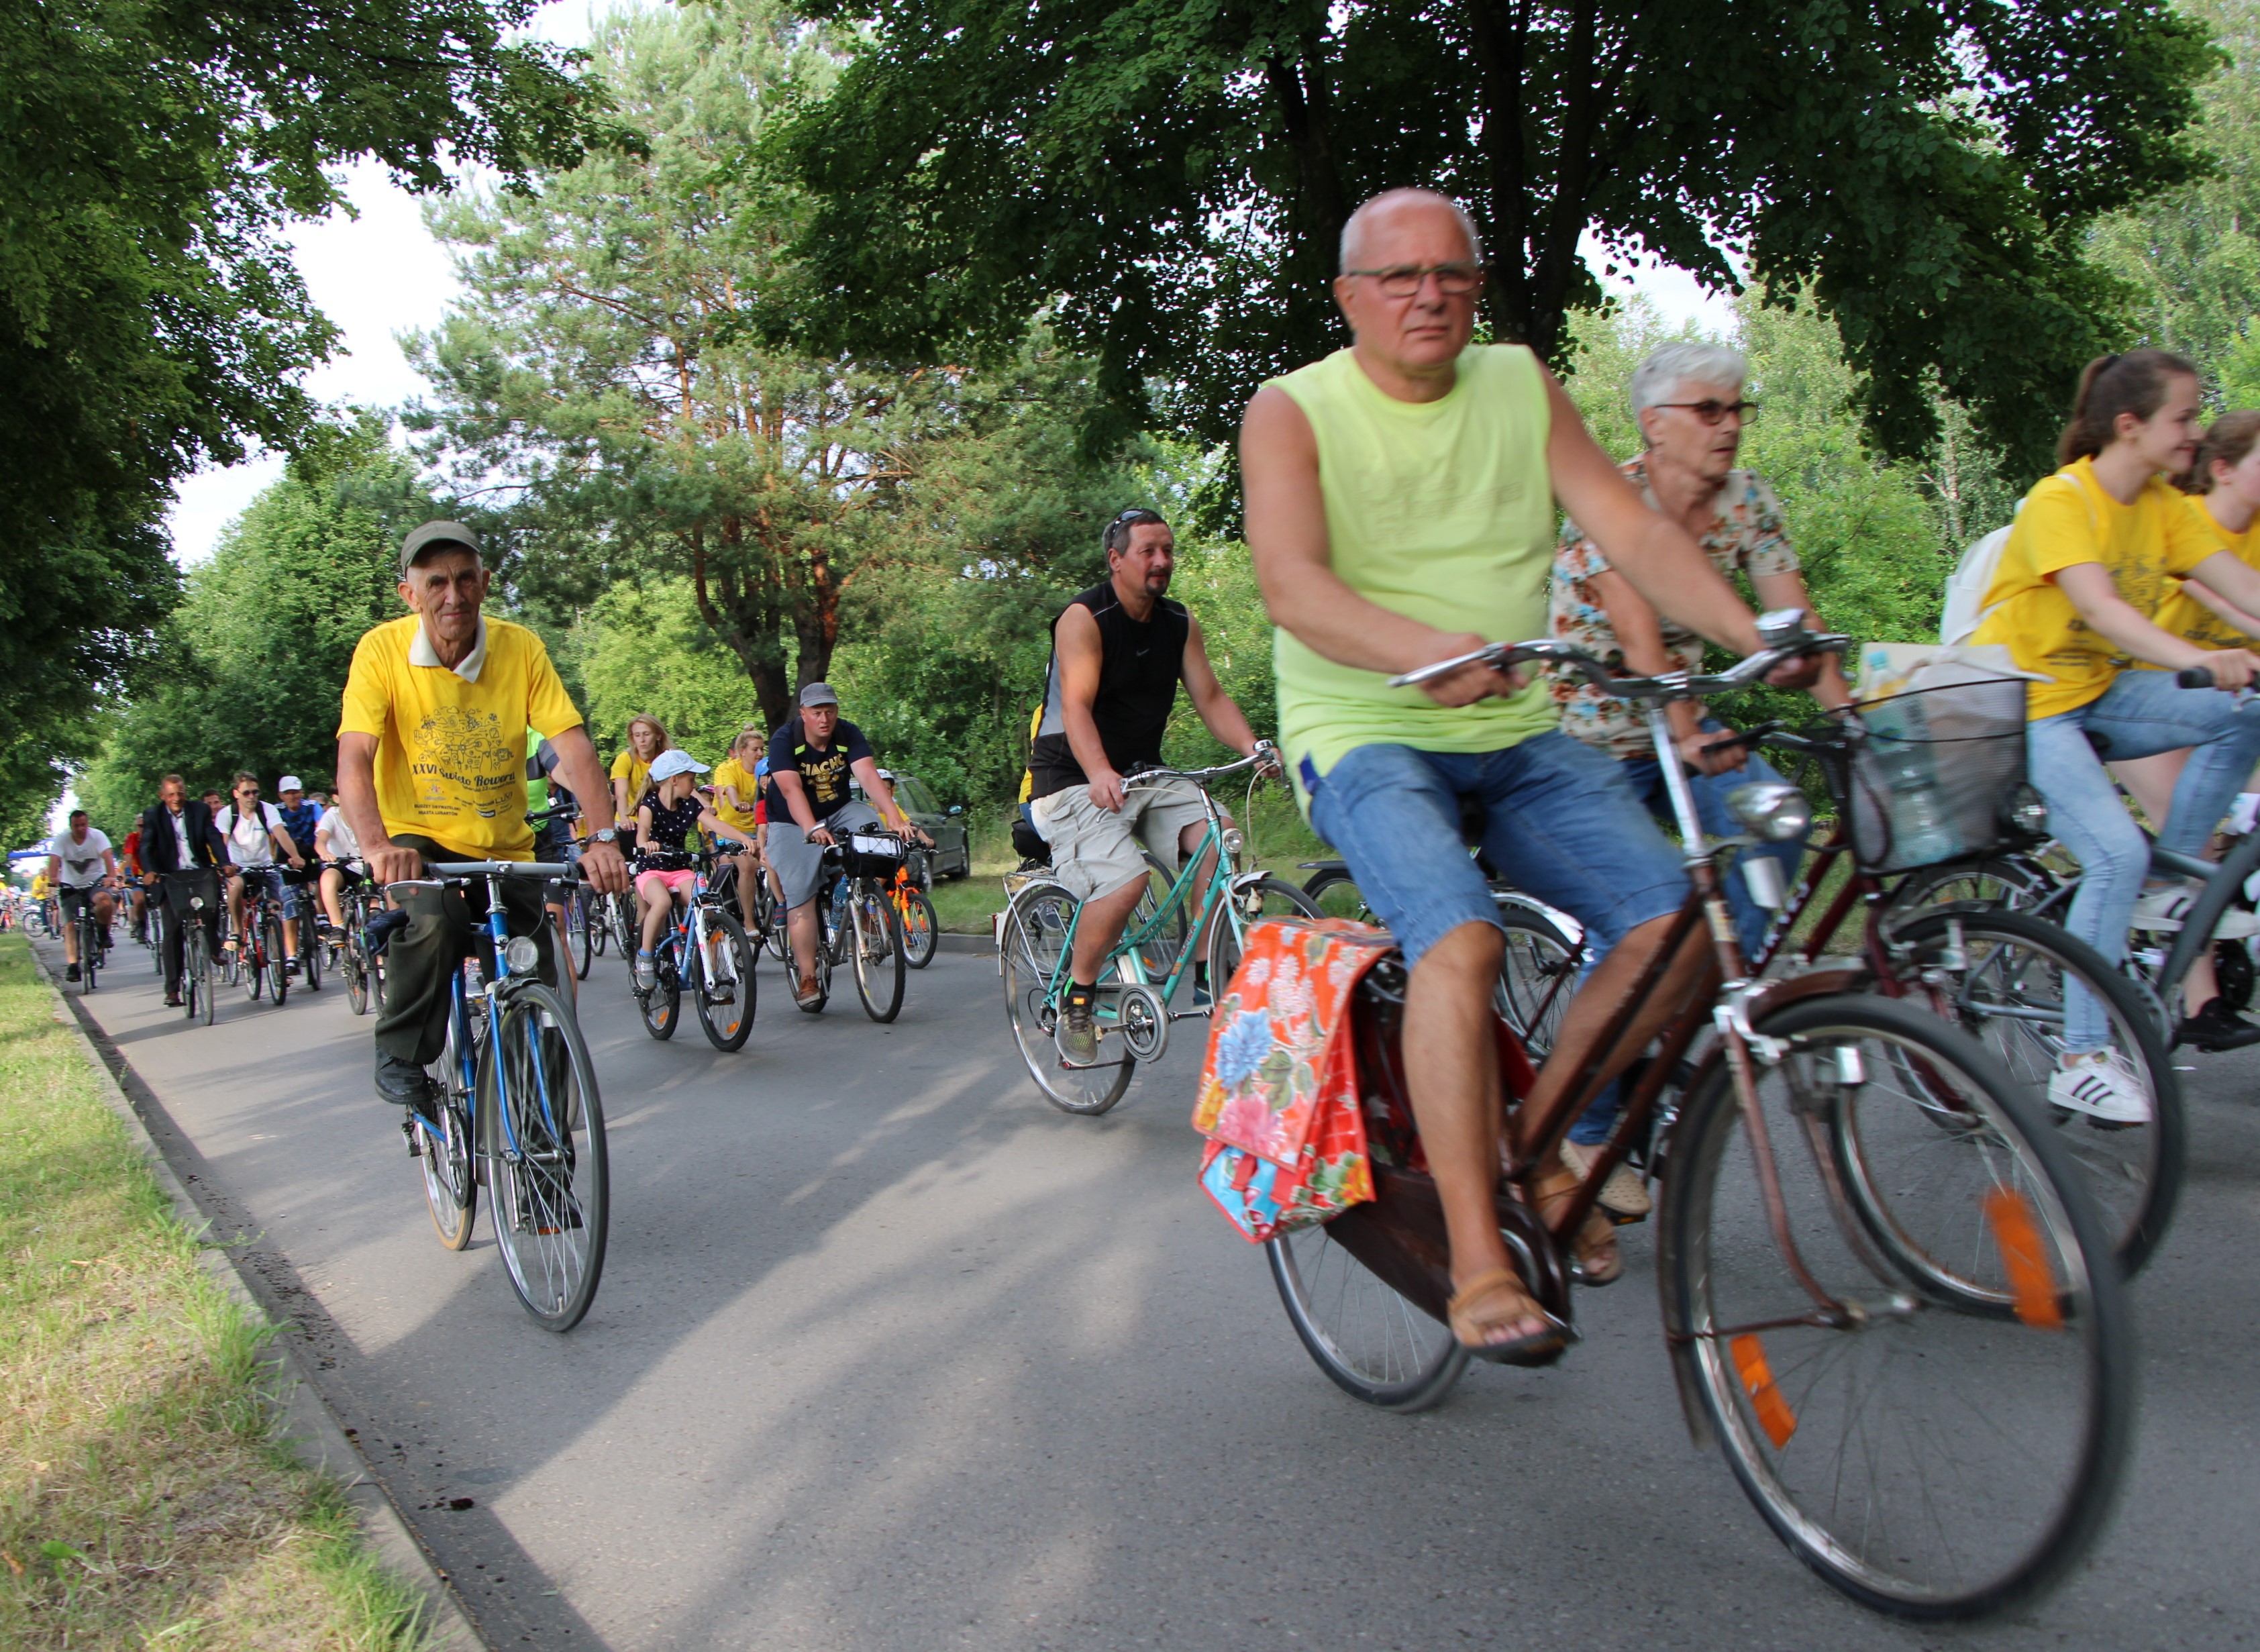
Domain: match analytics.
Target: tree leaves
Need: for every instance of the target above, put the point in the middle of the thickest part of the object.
(1170, 177)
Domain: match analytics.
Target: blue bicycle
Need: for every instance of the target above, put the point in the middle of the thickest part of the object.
(519, 1113)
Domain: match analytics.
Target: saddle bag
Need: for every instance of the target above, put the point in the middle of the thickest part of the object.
(1279, 1093)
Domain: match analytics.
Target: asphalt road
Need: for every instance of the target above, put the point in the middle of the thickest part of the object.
(889, 1354)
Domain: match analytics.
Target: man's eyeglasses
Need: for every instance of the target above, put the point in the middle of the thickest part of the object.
(1711, 410)
(1402, 281)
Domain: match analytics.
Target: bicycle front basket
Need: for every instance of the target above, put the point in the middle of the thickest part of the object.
(1935, 773)
(870, 854)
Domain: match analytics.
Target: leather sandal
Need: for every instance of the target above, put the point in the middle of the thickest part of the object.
(1495, 1298)
(1594, 1258)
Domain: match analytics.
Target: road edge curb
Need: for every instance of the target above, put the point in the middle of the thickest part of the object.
(304, 1417)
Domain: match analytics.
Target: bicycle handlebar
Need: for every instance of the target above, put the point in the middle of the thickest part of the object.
(501, 868)
(2195, 676)
(1787, 625)
(1265, 751)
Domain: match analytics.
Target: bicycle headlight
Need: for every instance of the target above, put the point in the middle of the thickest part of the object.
(1232, 842)
(1772, 809)
(520, 955)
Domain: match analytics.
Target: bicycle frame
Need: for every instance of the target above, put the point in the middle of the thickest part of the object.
(495, 986)
(1732, 1003)
(1128, 958)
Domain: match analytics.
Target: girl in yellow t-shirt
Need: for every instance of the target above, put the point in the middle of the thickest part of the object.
(2086, 567)
(738, 801)
(631, 773)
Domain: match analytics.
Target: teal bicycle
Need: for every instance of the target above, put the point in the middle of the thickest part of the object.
(1151, 965)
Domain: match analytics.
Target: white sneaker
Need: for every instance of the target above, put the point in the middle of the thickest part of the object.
(2103, 1086)
(2166, 908)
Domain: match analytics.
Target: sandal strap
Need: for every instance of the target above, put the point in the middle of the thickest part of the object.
(1486, 1283)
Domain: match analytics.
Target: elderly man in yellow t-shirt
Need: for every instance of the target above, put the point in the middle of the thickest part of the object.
(432, 766)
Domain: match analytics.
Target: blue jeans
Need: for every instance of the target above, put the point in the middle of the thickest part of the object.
(2141, 714)
(1559, 823)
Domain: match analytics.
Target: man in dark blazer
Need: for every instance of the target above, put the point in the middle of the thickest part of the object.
(184, 852)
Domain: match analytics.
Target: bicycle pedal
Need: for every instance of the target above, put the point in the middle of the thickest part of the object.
(415, 1137)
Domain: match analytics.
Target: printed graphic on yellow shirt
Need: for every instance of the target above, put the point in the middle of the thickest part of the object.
(456, 751)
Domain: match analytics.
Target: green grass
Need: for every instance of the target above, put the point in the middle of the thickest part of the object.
(145, 1501)
(1276, 835)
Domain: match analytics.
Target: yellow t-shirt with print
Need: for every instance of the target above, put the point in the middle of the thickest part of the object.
(2065, 520)
(2185, 616)
(731, 773)
(629, 767)
(450, 754)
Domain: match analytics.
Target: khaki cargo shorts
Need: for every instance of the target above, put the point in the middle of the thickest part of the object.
(1096, 853)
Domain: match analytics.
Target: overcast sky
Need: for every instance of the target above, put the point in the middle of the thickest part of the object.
(380, 275)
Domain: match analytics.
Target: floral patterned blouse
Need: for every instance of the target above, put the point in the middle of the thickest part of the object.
(1748, 537)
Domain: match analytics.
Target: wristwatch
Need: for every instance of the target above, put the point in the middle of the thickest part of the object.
(608, 834)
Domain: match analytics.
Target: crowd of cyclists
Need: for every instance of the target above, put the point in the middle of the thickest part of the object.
(1411, 500)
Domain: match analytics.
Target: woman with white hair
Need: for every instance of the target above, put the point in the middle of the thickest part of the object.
(1688, 398)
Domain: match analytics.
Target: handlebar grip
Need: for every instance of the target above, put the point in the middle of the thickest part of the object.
(2196, 677)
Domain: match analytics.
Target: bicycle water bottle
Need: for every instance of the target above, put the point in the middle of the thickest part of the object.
(1899, 739)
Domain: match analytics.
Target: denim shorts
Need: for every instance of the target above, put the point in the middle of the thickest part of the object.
(1560, 822)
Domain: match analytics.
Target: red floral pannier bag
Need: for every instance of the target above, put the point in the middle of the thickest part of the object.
(1279, 1095)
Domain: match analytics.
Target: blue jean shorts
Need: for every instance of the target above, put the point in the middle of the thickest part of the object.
(1560, 822)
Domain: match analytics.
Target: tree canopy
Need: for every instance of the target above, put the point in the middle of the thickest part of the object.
(618, 371)
(1171, 177)
(152, 154)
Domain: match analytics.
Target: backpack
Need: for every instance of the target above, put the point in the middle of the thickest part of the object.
(1973, 576)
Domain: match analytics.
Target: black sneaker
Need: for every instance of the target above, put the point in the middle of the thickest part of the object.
(2215, 1028)
(70, 972)
(404, 1084)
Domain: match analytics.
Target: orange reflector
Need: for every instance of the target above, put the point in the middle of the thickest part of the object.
(1774, 1415)
(2031, 1289)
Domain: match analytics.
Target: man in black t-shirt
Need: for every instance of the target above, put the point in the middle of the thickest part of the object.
(811, 760)
(1118, 652)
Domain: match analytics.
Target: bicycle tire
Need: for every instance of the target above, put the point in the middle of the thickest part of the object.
(1799, 1418)
(578, 944)
(354, 967)
(278, 970)
(548, 1173)
(2135, 1174)
(1538, 974)
(914, 916)
(1336, 894)
(1250, 903)
(661, 1004)
(250, 966)
(1035, 928)
(90, 950)
(600, 934)
(623, 924)
(1373, 1343)
(310, 953)
(200, 989)
(446, 1152)
(2009, 881)
(878, 939)
(725, 1032)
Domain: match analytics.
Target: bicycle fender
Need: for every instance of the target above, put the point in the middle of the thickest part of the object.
(1774, 995)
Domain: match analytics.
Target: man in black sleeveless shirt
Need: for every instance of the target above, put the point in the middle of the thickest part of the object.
(1119, 651)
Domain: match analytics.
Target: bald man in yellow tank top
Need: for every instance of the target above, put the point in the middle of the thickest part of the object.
(1401, 501)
